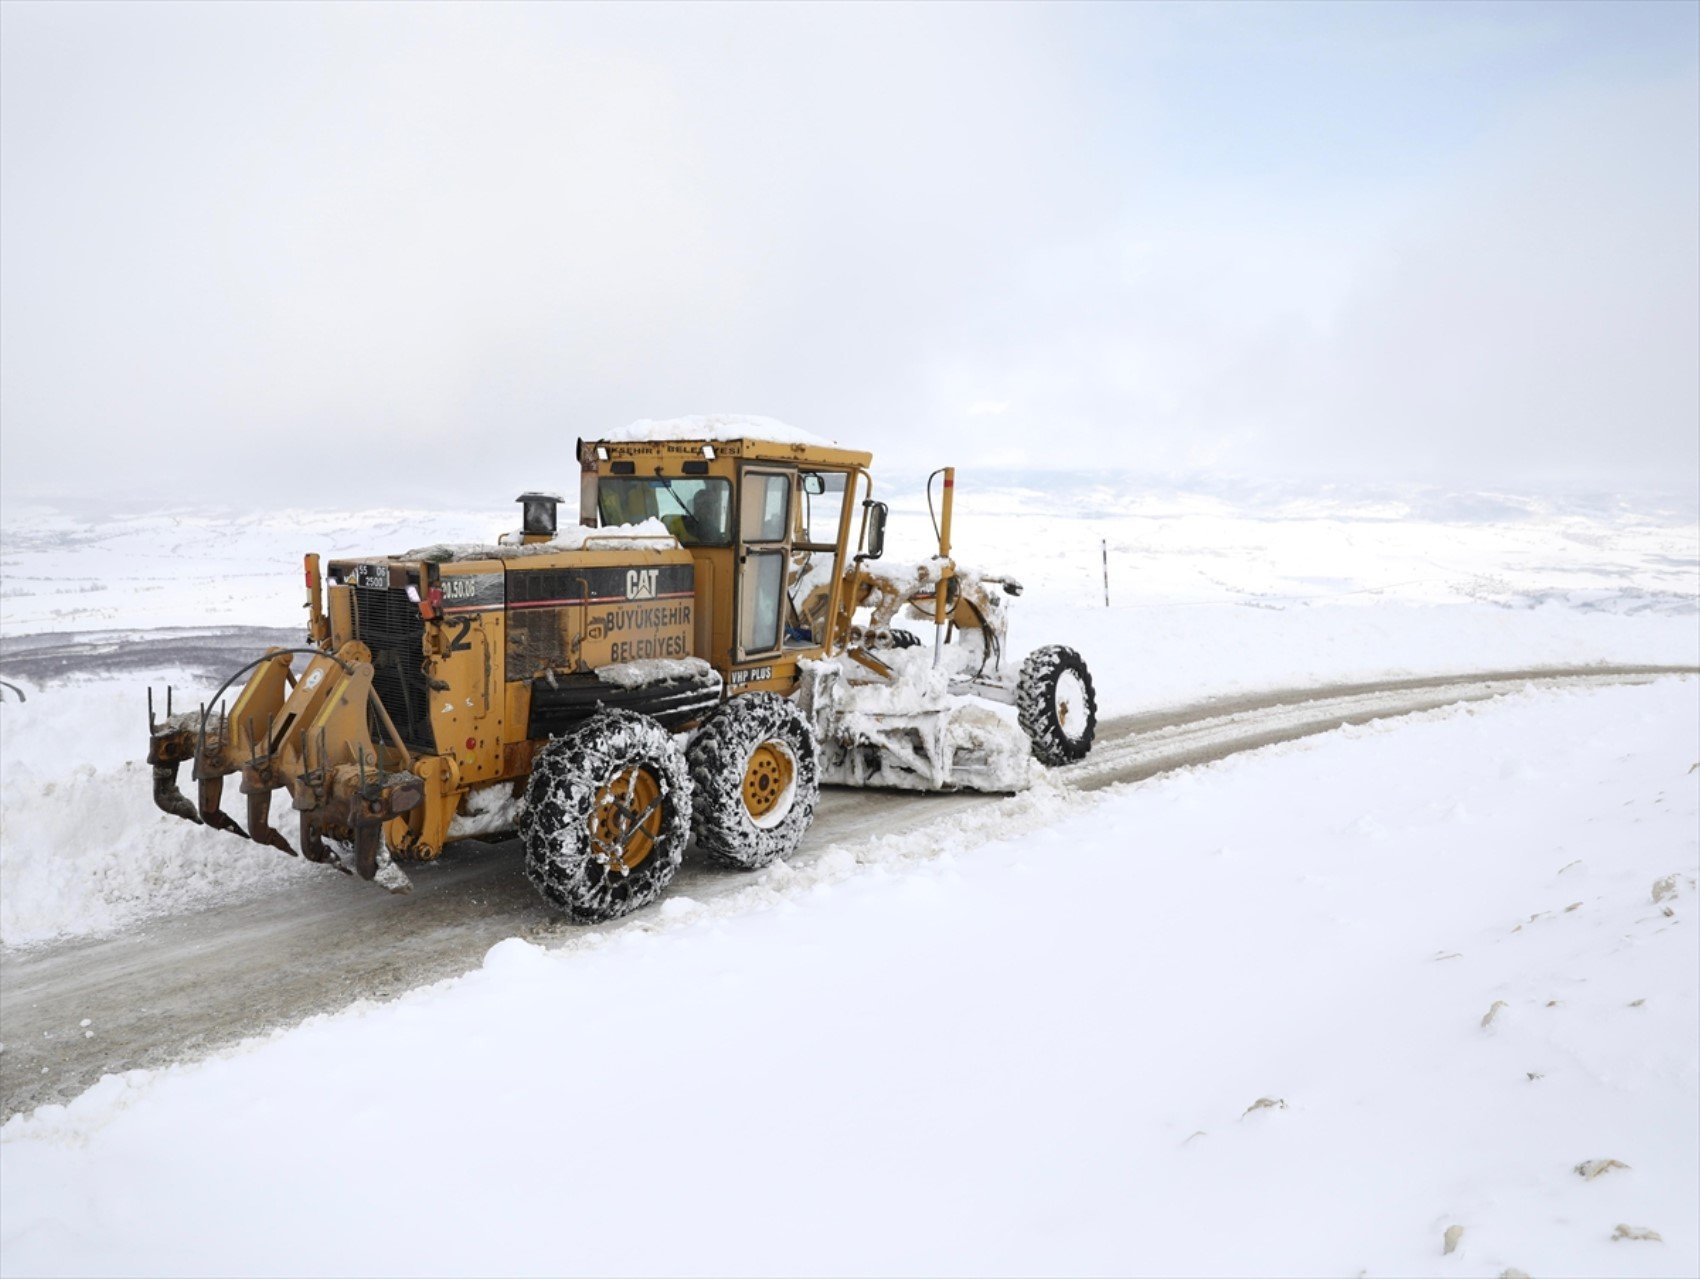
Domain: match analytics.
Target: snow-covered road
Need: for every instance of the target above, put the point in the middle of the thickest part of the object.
(210, 652)
(184, 985)
(1416, 997)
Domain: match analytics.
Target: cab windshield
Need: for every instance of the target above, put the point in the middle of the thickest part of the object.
(696, 511)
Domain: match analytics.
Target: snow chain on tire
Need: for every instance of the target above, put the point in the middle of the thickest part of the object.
(613, 788)
(1061, 731)
(755, 780)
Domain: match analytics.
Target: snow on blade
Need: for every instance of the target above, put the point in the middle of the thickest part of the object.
(911, 732)
(648, 535)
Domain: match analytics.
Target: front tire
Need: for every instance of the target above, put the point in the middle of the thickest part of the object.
(608, 812)
(1056, 705)
(755, 781)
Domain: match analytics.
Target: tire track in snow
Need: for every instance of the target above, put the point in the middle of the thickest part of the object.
(186, 985)
(1140, 746)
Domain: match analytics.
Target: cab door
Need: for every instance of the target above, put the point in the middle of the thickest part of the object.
(764, 555)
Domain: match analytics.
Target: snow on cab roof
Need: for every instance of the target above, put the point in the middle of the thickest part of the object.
(650, 535)
(714, 426)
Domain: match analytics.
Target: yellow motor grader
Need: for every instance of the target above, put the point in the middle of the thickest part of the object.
(709, 645)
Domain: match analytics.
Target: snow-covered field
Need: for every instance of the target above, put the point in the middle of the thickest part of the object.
(1033, 1041)
(1167, 548)
(1303, 1012)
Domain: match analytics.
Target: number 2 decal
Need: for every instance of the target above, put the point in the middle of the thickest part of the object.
(458, 643)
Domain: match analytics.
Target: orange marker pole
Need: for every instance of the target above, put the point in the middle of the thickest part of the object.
(318, 630)
(941, 597)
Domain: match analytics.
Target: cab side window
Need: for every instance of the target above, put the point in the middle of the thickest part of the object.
(767, 502)
(763, 529)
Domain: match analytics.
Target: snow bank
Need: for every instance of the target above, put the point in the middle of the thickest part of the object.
(82, 848)
(1230, 1021)
(712, 426)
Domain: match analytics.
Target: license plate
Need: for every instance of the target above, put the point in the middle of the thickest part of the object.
(376, 576)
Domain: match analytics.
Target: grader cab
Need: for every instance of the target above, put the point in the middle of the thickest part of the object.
(712, 643)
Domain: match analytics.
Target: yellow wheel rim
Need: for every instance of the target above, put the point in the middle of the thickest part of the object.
(767, 777)
(626, 822)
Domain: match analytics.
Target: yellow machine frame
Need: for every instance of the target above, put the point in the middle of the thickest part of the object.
(326, 736)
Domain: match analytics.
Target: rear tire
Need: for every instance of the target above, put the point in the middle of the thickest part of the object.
(1056, 705)
(755, 780)
(607, 815)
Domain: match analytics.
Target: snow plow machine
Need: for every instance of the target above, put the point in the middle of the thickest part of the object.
(713, 642)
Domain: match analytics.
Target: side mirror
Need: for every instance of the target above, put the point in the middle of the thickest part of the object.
(876, 530)
(814, 483)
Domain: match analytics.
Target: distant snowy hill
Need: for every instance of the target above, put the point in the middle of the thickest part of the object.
(1226, 543)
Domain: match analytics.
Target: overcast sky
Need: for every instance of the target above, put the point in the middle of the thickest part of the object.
(382, 254)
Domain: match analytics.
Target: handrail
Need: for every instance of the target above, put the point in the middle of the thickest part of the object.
(835, 599)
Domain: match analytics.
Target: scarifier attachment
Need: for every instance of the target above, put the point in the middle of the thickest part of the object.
(309, 735)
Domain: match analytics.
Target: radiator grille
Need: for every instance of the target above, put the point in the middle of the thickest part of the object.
(389, 624)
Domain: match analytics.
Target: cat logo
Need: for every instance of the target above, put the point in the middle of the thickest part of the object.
(640, 583)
